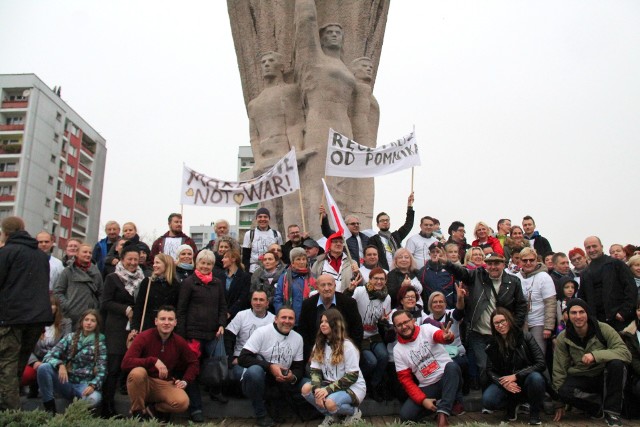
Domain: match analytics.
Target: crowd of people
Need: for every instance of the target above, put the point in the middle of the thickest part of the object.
(318, 329)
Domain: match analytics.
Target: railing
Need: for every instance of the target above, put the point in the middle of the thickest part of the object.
(83, 188)
(87, 151)
(12, 174)
(82, 228)
(15, 104)
(12, 127)
(7, 198)
(82, 208)
(84, 169)
(11, 149)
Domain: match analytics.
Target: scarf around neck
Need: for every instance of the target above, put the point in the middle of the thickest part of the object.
(309, 284)
(374, 294)
(83, 267)
(131, 280)
(204, 278)
(392, 242)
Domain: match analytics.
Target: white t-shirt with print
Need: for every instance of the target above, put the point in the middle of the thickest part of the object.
(243, 325)
(425, 358)
(260, 244)
(535, 289)
(275, 347)
(370, 310)
(350, 363)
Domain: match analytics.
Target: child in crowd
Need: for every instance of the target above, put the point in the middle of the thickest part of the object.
(569, 287)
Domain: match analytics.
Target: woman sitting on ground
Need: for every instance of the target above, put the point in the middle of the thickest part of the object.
(77, 366)
(337, 386)
(515, 365)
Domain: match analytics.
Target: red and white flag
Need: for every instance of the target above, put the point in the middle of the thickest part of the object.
(336, 221)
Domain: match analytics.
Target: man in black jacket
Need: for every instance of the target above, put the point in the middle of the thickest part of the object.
(24, 292)
(387, 242)
(539, 243)
(607, 286)
(326, 298)
(488, 288)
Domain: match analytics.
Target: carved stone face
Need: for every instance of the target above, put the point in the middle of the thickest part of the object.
(270, 65)
(363, 70)
(331, 37)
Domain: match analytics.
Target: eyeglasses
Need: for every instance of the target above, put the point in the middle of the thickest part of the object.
(527, 260)
(500, 323)
(378, 279)
(403, 324)
(461, 230)
(410, 297)
(354, 223)
(384, 220)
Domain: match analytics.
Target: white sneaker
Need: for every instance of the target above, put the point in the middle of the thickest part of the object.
(329, 420)
(353, 419)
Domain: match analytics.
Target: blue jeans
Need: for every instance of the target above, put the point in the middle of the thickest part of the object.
(533, 387)
(193, 388)
(341, 398)
(48, 382)
(374, 362)
(477, 344)
(253, 386)
(445, 390)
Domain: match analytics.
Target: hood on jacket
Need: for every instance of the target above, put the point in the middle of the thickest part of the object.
(22, 238)
(539, 268)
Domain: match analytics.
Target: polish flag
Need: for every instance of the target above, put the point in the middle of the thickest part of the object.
(336, 221)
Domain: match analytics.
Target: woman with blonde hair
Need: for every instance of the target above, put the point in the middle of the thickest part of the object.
(337, 386)
(485, 240)
(184, 262)
(405, 273)
(162, 288)
(474, 258)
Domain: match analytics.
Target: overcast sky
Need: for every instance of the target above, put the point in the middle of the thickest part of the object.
(529, 107)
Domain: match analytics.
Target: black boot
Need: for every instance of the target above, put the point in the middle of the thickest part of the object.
(50, 406)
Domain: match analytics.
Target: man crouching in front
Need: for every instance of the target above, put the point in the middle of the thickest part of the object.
(153, 388)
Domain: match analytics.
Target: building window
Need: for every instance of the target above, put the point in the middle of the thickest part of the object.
(58, 116)
(66, 211)
(64, 232)
(70, 170)
(17, 98)
(16, 120)
(73, 151)
(10, 141)
(53, 158)
(68, 191)
(6, 190)
(47, 202)
(56, 137)
(8, 167)
(50, 180)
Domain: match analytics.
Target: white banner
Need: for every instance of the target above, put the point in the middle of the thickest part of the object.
(347, 158)
(201, 190)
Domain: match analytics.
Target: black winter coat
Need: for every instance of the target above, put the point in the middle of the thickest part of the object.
(237, 296)
(523, 360)
(160, 293)
(202, 309)
(398, 236)
(619, 292)
(115, 300)
(24, 282)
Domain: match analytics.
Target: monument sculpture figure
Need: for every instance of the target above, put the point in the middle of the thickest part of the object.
(276, 123)
(296, 95)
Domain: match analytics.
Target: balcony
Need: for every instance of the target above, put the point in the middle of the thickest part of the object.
(246, 223)
(58, 195)
(15, 104)
(7, 198)
(11, 127)
(84, 169)
(80, 228)
(12, 174)
(82, 188)
(11, 149)
(82, 208)
(87, 151)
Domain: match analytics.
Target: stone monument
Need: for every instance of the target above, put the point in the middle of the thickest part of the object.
(292, 57)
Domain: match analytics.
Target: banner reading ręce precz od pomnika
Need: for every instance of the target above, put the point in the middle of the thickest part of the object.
(201, 190)
(347, 158)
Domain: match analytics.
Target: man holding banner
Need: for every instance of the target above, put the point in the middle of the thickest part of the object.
(387, 242)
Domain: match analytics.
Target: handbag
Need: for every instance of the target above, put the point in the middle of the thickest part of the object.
(133, 334)
(214, 370)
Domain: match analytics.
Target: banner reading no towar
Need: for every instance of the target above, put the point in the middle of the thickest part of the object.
(201, 190)
(347, 158)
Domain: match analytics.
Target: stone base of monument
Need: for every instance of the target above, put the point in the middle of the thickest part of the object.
(241, 408)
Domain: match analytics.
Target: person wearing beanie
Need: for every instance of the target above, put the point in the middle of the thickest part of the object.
(589, 368)
(184, 262)
(257, 241)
